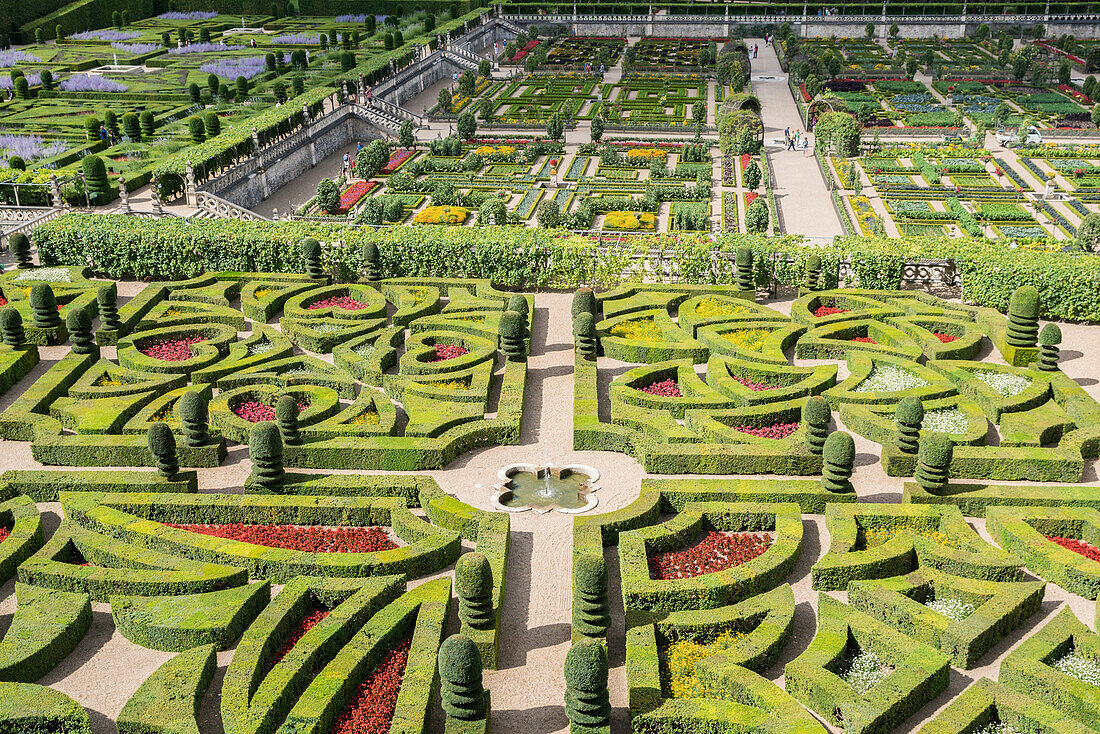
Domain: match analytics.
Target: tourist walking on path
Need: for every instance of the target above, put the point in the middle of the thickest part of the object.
(347, 163)
(806, 145)
(370, 97)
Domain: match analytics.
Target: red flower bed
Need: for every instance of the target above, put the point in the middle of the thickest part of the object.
(254, 411)
(308, 538)
(716, 551)
(864, 340)
(805, 95)
(525, 50)
(398, 157)
(828, 311)
(170, 350)
(1077, 546)
(352, 194)
(755, 386)
(443, 352)
(945, 338)
(345, 302)
(307, 623)
(750, 197)
(665, 389)
(779, 430)
(4, 533)
(3, 301)
(375, 700)
(1067, 89)
(745, 159)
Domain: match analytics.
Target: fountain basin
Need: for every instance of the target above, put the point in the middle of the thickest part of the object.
(566, 489)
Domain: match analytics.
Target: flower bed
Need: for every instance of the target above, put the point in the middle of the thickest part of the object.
(863, 340)
(1087, 550)
(353, 194)
(823, 311)
(777, 431)
(630, 220)
(170, 350)
(375, 699)
(306, 538)
(945, 338)
(254, 411)
(443, 352)
(665, 388)
(524, 51)
(890, 378)
(713, 307)
(715, 551)
(4, 533)
(442, 215)
(755, 386)
(945, 420)
(642, 330)
(1006, 383)
(307, 623)
(345, 302)
(397, 159)
(951, 608)
(679, 665)
(864, 671)
(645, 154)
(1080, 667)
(751, 339)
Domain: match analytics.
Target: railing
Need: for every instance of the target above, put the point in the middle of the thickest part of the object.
(222, 209)
(27, 217)
(399, 111)
(825, 19)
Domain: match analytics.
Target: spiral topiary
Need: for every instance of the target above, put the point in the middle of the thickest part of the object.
(11, 326)
(44, 307)
(195, 417)
(838, 460)
(80, 332)
(265, 448)
(1023, 317)
(516, 302)
(474, 585)
(584, 301)
(813, 272)
(934, 461)
(908, 417)
(584, 335)
(162, 445)
(591, 613)
(816, 416)
(1049, 339)
(460, 687)
(372, 263)
(513, 333)
(21, 250)
(586, 698)
(742, 269)
(286, 415)
(311, 257)
(107, 301)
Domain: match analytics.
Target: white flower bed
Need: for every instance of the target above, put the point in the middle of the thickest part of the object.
(865, 672)
(889, 378)
(945, 420)
(364, 350)
(997, 727)
(955, 609)
(328, 328)
(264, 345)
(52, 275)
(1006, 383)
(1080, 667)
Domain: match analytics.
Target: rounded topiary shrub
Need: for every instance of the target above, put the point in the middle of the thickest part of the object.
(372, 262)
(584, 301)
(586, 698)
(195, 417)
(265, 448)
(908, 418)
(474, 586)
(11, 327)
(311, 257)
(1023, 317)
(517, 302)
(838, 460)
(162, 445)
(934, 461)
(286, 416)
(107, 301)
(460, 672)
(1049, 339)
(95, 176)
(79, 327)
(816, 415)
(513, 335)
(584, 335)
(591, 613)
(813, 272)
(20, 246)
(44, 307)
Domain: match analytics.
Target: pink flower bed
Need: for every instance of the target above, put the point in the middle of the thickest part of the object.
(254, 411)
(779, 430)
(352, 194)
(864, 340)
(345, 302)
(716, 551)
(397, 159)
(4, 533)
(170, 350)
(828, 311)
(755, 386)
(525, 50)
(665, 389)
(750, 197)
(443, 352)
(306, 538)
(308, 622)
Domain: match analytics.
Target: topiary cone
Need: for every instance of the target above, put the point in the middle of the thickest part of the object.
(474, 585)
(908, 418)
(21, 250)
(44, 307)
(584, 301)
(934, 462)
(286, 416)
(513, 333)
(1049, 339)
(460, 687)
(586, 698)
(584, 335)
(816, 416)
(813, 272)
(591, 613)
(1023, 317)
(194, 415)
(311, 258)
(11, 326)
(838, 457)
(372, 263)
(162, 445)
(742, 269)
(517, 302)
(80, 332)
(106, 299)
(265, 448)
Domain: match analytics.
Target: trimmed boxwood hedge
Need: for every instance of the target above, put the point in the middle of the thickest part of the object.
(26, 708)
(168, 701)
(975, 499)
(1022, 531)
(987, 702)
(47, 626)
(20, 517)
(808, 494)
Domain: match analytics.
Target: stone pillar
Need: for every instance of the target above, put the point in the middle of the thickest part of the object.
(189, 188)
(124, 195)
(275, 214)
(55, 193)
(155, 193)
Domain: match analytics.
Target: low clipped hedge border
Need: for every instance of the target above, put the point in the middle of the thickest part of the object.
(26, 708)
(1022, 531)
(168, 701)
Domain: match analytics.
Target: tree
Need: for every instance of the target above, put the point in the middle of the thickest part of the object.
(372, 159)
(213, 84)
(484, 68)
(347, 61)
(1063, 73)
(1095, 117)
(1020, 66)
(869, 29)
(242, 89)
(116, 19)
(894, 30)
(269, 61)
(549, 214)
(444, 100)
(699, 112)
(756, 217)
(840, 132)
(466, 125)
(405, 136)
(197, 129)
(95, 176)
(212, 123)
(597, 129)
(132, 127)
(466, 83)
(1088, 234)
(398, 39)
(328, 195)
(751, 175)
(21, 87)
(911, 67)
(1088, 87)
(555, 127)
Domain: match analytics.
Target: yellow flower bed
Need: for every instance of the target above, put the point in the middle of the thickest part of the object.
(366, 418)
(496, 150)
(681, 659)
(164, 414)
(711, 307)
(630, 220)
(879, 536)
(261, 292)
(751, 339)
(442, 215)
(637, 153)
(105, 380)
(639, 330)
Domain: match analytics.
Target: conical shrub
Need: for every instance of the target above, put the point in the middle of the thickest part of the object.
(1049, 339)
(838, 461)
(162, 445)
(1023, 317)
(591, 613)
(11, 326)
(44, 307)
(908, 418)
(816, 416)
(474, 586)
(195, 417)
(586, 698)
(286, 416)
(107, 301)
(265, 448)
